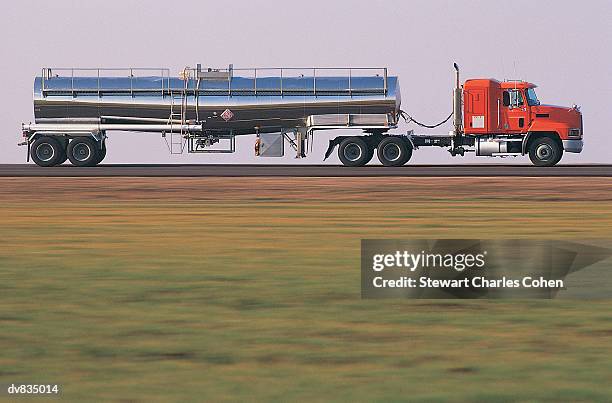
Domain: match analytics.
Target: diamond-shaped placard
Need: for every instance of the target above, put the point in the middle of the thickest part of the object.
(227, 115)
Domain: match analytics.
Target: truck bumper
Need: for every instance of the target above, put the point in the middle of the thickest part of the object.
(573, 146)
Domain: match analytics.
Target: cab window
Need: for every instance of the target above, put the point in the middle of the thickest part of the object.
(532, 98)
(513, 98)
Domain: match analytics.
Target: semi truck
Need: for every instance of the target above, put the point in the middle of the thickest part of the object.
(202, 110)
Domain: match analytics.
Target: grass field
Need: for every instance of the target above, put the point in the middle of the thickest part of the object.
(181, 289)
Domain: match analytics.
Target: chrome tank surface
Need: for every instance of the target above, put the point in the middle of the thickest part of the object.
(236, 104)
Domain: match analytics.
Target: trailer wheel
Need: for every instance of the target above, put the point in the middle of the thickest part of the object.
(371, 151)
(545, 152)
(63, 158)
(82, 152)
(46, 152)
(63, 145)
(354, 152)
(394, 152)
(101, 152)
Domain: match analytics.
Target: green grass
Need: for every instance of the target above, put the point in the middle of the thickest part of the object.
(152, 301)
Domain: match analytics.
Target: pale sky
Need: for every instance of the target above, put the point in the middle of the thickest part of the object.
(562, 46)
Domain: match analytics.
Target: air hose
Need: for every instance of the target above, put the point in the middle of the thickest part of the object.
(409, 119)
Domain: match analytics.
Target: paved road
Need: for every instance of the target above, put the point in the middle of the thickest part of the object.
(304, 170)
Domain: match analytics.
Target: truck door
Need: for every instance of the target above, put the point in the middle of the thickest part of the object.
(515, 114)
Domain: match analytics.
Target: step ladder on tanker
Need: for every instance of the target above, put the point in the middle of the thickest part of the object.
(178, 118)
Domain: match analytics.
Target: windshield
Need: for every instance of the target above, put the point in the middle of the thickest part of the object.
(532, 98)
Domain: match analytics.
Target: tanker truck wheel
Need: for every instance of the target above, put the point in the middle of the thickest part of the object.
(394, 152)
(101, 153)
(63, 158)
(82, 152)
(354, 152)
(545, 152)
(46, 152)
(63, 144)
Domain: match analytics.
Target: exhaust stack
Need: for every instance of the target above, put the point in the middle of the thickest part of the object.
(457, 111)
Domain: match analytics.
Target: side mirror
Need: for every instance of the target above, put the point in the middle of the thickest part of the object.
(506, 98)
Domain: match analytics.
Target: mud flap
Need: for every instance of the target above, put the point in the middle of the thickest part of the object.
(332, 145)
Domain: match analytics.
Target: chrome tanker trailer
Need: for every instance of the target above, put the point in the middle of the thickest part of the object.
(203, 110)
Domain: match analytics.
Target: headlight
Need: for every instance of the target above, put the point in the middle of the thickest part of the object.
(575, 133)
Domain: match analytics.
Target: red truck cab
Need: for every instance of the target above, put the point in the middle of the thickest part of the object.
(510, 110)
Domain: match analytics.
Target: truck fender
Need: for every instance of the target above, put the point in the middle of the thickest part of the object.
(525, 142)
(333, 143)
(553, 135)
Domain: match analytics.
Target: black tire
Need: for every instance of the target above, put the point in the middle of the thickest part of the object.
(545, 152)
(83, 152)
(101, 153)
(354, 152)
(394, 152)
(63, 158)
(63, 144)
(370, 155)
(46, 151)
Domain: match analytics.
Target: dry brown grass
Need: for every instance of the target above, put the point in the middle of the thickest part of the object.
(190, 289)
(390, 190)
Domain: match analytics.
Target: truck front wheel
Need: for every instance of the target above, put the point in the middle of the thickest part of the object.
(354, 152)
(545, 152)
(394, 152)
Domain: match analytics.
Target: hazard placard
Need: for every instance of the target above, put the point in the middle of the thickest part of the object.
(227, 115)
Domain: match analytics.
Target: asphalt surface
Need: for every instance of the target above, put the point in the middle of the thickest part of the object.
(486, 170)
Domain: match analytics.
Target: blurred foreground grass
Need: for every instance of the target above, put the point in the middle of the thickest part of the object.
(227, 299)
